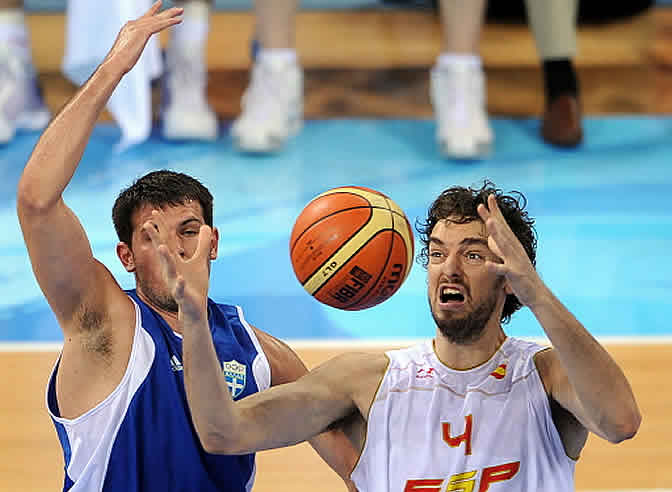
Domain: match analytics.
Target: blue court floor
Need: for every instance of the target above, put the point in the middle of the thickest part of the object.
(604, 218)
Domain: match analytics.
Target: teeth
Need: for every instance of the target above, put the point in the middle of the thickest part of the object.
(450, 293)
(448, 290)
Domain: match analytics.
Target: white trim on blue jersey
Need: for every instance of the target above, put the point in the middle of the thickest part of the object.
(261, 368)
(89, 457)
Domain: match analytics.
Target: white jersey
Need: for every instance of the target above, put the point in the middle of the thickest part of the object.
(436, 429)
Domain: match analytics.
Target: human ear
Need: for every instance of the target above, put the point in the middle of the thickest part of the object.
(126, 256)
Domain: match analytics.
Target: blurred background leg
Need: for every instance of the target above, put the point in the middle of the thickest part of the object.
(553, 23)
(272, 105)
(457, 83)
(187, 115)
(21, 105)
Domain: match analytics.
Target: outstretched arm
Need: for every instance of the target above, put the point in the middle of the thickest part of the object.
(280, 416)
(333, 446)
(59, 250)
(579, 373)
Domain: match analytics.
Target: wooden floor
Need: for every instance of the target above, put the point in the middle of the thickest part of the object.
(31, 459)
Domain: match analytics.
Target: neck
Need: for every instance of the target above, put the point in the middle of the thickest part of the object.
(467, 356)
(170, 317)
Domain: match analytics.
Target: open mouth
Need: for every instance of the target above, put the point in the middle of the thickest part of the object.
(450, 295)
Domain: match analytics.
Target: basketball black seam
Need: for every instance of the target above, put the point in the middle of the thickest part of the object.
(345, 242)
(387, 261)
(389, 253)
(291, 248)
(379, 231)
(321, 265)
(407, 224)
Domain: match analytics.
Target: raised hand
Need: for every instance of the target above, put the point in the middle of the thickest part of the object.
(187, 278)
(516, 265)
(134, 35)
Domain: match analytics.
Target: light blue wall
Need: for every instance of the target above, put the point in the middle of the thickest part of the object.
(603, 215)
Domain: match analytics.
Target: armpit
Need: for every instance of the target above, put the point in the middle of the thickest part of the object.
(572, 433)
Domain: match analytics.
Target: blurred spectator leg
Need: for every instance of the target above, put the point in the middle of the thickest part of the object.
(457, 83)
(272, 105)
(186, 114)
(553, 23)
(21, 105)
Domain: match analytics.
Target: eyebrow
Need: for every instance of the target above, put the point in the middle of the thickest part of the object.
(189, 220)
(467, 241)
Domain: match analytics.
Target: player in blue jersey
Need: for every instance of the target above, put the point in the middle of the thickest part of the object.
(117, 394)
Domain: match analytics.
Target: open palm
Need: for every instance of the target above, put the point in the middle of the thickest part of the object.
(516, 265)
(187, 278)
(134, 35)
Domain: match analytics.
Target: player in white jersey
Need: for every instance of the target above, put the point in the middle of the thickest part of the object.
(470, 410)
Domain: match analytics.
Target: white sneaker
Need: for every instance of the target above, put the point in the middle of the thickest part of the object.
(458, 97)
(186, 113)
(272, 107)
(21, 105)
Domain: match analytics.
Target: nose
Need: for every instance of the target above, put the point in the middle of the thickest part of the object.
(177, 245)
(452, 267)
(180, 249)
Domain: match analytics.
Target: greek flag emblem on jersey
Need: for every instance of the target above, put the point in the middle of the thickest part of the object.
(235, 374)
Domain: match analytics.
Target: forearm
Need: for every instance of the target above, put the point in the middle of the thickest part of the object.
(281, 416)
(60, 148)
(212, 409)
(338, 452)
(599, 383)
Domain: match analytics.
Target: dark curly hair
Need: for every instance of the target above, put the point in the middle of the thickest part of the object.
(458, 204)
(158, 188)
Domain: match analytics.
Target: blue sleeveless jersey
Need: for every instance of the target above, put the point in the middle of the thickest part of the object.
(140, 438)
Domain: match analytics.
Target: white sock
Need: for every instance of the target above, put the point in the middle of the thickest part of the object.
(446, 60)
(278, 57)
(193, 31)
(13, 32)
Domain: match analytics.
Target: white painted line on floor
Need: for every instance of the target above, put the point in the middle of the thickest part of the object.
(354, 344)
(405, 342)
(30, 347)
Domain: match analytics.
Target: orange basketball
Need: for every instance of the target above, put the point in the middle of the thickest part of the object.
(351, 248)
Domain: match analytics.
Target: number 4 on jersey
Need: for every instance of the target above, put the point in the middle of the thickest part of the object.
(465, 437)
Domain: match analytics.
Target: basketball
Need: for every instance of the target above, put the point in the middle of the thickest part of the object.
(351, 247)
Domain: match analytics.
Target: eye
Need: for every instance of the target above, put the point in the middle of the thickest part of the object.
(190, 233)
(474, 257)
(436, 257)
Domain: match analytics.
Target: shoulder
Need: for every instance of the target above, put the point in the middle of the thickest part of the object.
(546, 361)
(520, 356)
(414, 355)
(229, 311)
(361, 363)
(355, 372)
(286, 366)
(522, 347)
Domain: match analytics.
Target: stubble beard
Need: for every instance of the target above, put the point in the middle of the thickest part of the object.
(467, 329)
(161, 300)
